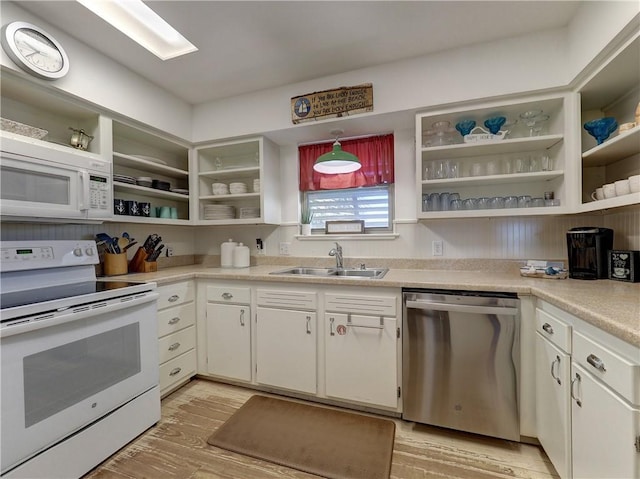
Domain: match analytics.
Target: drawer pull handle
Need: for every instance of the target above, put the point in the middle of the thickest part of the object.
(547, 328)
(553, 375)
(175, 371)
(174, 320)
(596, 362)
(242, 317)
(331, 331)
(174, 298)
(308, 324)
(577, 379)
(227, 296)
(174, 346)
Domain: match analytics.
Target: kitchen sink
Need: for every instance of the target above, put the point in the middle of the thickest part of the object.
(371, 273)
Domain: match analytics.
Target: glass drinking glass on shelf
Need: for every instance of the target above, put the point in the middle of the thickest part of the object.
(217, 164)
(440, 169)
(546, 162)
(454, 169)
(456, 205)
(469, 204)
(524, 201)
(428, 170)
(511, 202)
(507, 166)
(497, 202)
(444, 201)
(521, 164)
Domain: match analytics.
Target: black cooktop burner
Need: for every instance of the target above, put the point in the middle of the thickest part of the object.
(51, 293)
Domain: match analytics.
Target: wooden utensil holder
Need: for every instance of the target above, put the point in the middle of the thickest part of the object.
(138, 263)
(115, 264)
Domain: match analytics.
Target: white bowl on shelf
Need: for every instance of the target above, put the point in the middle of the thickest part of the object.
(219, 189)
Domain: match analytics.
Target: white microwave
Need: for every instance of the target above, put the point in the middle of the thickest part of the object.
(38, 181)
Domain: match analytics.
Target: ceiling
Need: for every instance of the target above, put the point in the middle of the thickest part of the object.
(247, 46)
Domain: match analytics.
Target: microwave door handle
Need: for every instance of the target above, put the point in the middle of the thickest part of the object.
(83, 193)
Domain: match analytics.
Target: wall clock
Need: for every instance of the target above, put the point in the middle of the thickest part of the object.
(34, 50)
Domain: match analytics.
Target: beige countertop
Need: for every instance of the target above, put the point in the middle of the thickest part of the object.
(612, 306)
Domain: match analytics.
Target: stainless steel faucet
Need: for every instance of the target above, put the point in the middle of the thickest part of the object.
(337, 252)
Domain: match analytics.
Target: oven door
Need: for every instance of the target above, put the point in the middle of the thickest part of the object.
(70, 370)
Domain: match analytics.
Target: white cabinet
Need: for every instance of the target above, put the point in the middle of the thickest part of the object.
(553, 376)
(361, 349)
(512, 166)
(228, 332)
(152, 171)
(605, 391)
(286, 338)
(177, 334)
(246, 174)
(613, 89)
(598, 434)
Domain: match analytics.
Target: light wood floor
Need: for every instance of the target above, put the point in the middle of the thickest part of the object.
(176, 447)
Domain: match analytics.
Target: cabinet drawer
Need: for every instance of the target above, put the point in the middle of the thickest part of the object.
(229, 294)
(375, 305)
(287, 299)
(175, 293)
(177, 343)
(176, 318)
(622, 375)
(556, 331)
(177, 369)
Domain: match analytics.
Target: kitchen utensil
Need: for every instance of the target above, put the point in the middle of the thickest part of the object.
(155, 254)
(122, 243)
(598, 194)
(79, 139)
(129, 245)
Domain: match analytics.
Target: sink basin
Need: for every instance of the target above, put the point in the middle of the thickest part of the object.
(307, 271)
(374, 273)
(371, 273)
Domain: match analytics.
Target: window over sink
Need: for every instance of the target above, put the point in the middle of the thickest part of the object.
(366, 194)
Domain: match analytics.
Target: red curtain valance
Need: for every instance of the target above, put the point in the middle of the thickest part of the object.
(375, 154)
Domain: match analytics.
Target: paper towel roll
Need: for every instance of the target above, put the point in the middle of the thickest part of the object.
(226, 253)
(241, 256)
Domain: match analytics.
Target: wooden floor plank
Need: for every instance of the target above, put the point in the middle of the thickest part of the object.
(176, 447)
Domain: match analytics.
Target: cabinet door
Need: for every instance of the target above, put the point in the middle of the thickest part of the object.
(286, 349)
(604, 430)
(229, 341)
(553, 405)
(361, 359)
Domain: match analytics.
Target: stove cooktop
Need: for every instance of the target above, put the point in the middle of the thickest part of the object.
(52, 293)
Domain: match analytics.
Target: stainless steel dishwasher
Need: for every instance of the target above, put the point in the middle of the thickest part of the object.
(461, 360)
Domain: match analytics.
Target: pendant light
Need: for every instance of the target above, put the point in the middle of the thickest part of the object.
(337, 160)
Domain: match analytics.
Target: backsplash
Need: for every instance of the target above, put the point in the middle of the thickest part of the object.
(500, 238)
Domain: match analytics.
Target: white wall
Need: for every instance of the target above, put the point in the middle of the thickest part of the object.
(99, 80)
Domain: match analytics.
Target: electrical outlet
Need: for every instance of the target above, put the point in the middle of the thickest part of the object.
(285, 249)
(436, 248)
(169, 251)
(261, 247)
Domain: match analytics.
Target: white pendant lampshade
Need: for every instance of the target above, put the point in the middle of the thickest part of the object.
(337, 160)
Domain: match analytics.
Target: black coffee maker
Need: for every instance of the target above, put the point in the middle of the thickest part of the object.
(588, 249)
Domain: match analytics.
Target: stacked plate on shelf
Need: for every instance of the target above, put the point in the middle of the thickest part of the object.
(144, 181)
(180, 191)
(219, 212)
(219, 189)
(249, 212)
(237, 188)
(124, 179)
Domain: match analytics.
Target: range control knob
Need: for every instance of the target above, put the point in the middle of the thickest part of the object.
(77, 252)
(89, 251)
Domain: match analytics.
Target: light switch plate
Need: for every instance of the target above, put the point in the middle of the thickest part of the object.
(436, 248)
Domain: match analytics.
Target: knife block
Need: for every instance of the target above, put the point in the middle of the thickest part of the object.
(139, 265)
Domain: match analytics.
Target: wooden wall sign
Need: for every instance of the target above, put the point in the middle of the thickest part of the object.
(340, 102)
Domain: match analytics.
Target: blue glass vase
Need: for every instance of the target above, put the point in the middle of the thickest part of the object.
(465, 126)
(494, 124)
(601, 128)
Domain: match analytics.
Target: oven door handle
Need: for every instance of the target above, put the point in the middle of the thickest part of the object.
(74, 313)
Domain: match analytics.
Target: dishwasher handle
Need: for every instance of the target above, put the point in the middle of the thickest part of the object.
(462, 308)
